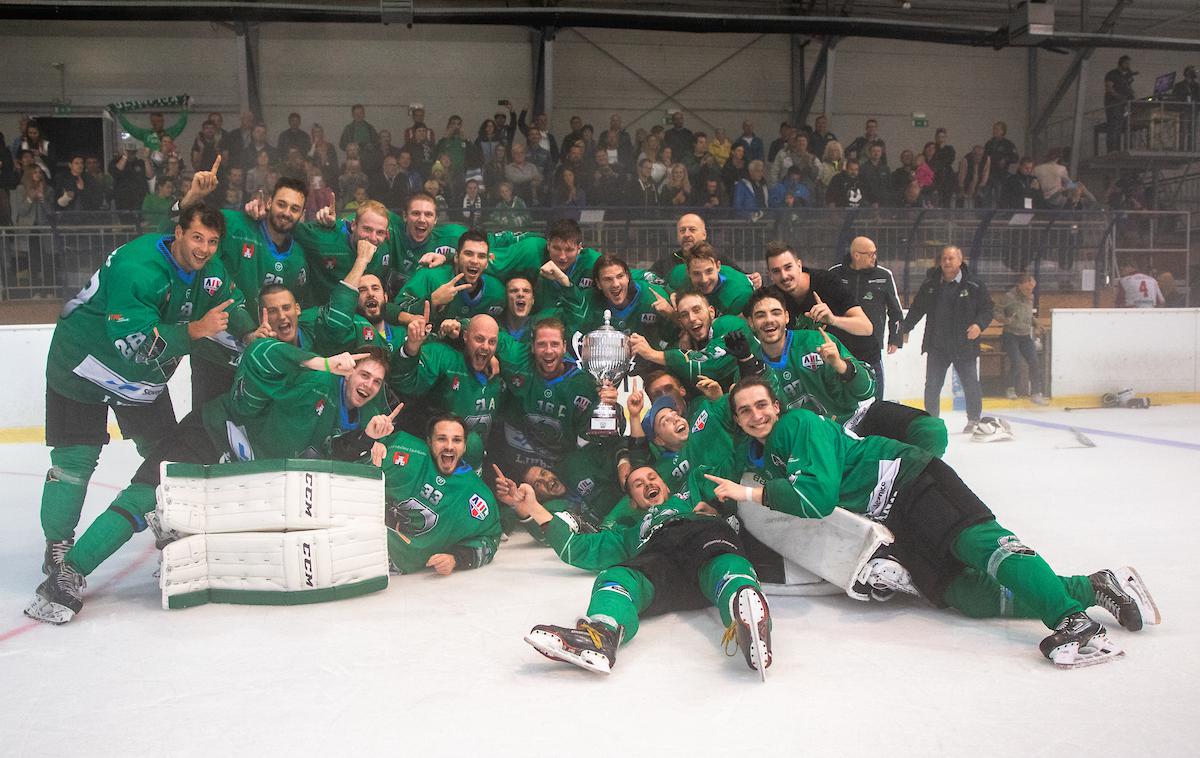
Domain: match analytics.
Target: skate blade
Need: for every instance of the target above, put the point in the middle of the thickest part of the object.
(1099, 650)
(551, 647)
(47, 612)
(753, 616)
(1131, 581)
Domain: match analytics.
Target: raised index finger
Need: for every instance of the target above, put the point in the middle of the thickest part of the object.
(499, 473)
(816, 296)
(216, 164)
(356, 357)
(399, 407)
(426, 310)
(224, 305)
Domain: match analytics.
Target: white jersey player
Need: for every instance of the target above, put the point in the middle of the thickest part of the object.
(1137, 290)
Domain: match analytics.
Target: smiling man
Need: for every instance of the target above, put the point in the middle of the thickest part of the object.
(461, 290)
(117, 343)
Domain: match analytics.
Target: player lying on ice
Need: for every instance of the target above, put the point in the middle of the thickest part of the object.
(947, 539)
(680, 556)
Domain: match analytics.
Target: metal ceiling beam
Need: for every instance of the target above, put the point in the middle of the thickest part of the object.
(815, 80)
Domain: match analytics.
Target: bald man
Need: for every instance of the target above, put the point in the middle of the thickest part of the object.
(690, 230)
(874, 289)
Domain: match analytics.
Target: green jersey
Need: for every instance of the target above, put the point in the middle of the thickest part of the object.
(430, 512)
(404, 253)
(638, 316)
(548, 416)
(526, 257)
(337, 327)
(120, 338)
(280, 409)
(803, 380)
(811, 466)
(727, 298)
(590, 476)
(330, 254)
(713, 360)
(440, 372)
(488, 299)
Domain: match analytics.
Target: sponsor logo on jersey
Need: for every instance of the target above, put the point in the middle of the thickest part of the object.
(548, 394)
(279, 265)
(320, 407)
(368, 334)
(518, 381)
(399, 458)
(479, 507)
(247, 249)
(811, 361)
(495, 311)
(302, 277)
(701, 420)
(614, 587)
(212, 284)
(868, 295)
(582, 403)
(115, 317)
(649, 318)
(440, 480)
(585, 487)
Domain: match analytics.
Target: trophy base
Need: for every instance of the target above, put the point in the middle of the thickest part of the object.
(603, 427)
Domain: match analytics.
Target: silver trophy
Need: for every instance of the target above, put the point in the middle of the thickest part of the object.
(604, 354)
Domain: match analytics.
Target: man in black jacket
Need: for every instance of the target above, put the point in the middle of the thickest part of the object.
(959, 308)
(874, 290)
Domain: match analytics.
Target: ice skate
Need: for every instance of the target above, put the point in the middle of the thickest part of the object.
(55, 550)
(882, 577)
(1078, 641)
(751, 629)
(991, 429)
(590, 645)
(1123, 594)
(59, 597)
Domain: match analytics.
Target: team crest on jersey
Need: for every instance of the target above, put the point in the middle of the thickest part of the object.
(868, 296)
(548, 394)
(279, 265)
(116, 317)
(811, 361)
(454, 384)
(776, 460)
(302, 277)
(247, 249)
(320, 407)
(479, 507)
(495, 311)
(649, 318)
(368, 334)
(329, 263)
(399, 458)
(440, 480)
(701, 420)
(212, 284)
(518, 381)
(582, 403)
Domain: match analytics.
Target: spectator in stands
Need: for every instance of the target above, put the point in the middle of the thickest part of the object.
(293, 136)
(832, 160)
(719, 146)
(751, 198)
(821, 136)
(526, 178)
(1002, 156)
(240, 141)
(95, 170)
(510, 210)
(416, 112)
(567, 193)
(1021, 190)
(205, 148)
(903, 175)
(361, 197)
(752, 142)
(875, 178)
(793, 191)
(845, 189)
(38, 146)
(434, 189)
(607, 183)
(223, 136)
(786, 131)
(537, 154)
(236, 182)
(620, 157)
(734, 169)
(493, 169)
(422, 149)
(76, 191)
(386, 147)
(256, 177)
(573, 159)
(471, 211)
(1118, 92)
(487, 140)
(359, 131)
(923, 171)
(1173, 297)
(8, 181)
(652, 151)
(294, 165)
(33, 199)
(623, 144)
(677, 189)
(573, 136)
(152, 137)
(694, 160)
(156, 207)
(1020, 326)
(973, 177)
(258, 144)
(679, 138)
(130, 175)
(945, 180)
(959, 309)
(643, 191)
(352, 177)
(320, 195)
(408, 173)
(544, 139)
(455, 145)
(389, 186)
(1059, 190)
(1187, 91)
(794, 154)
(323, 155)
(858, 148)
(712, 194)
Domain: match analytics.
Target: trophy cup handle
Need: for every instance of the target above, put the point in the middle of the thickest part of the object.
(577, 345)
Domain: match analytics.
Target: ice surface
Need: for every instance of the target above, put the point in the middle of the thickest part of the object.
(437, 665)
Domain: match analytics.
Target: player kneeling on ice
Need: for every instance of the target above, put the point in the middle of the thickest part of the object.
(440, 514)
(947, 539)
(680, 556)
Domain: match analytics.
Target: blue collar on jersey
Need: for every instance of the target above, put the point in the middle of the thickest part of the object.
(572, 369)
(757, 454)
(518, 334)
(719, 285)
(344, 410)
(463, 468)
(344, 228)
(466, 296)
(164, 247)
(276, 253)
(621, 313)
(787, 346)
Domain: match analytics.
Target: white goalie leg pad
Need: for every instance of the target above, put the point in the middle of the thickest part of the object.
(275, 568)
(268, 496)
(799, 582)
(834, 548)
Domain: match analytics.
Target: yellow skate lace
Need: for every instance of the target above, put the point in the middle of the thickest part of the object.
(591, 632)
(730, 639)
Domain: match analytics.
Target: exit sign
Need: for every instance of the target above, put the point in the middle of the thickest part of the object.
(919, 120)
(62, 109)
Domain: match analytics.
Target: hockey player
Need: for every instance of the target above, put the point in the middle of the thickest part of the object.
(286, 403)
(818, 296)
(680, 556)
(702, 349)
(462, 290)
(727, 289)
(440, 515)
(941, 527)
(117, 343)
(634, 306)
(563, 246)
(331, 249)
(1137, 290)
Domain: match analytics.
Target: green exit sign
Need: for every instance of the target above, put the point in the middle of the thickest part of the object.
(919, 120)
(62, 109)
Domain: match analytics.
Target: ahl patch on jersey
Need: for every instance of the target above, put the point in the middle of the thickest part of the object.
(701, 420)
(212, 284)
(479, 507)
(585, 282)
(247, 250)
(649, 318)
(446, 250)
(812, 361)
(582, 403)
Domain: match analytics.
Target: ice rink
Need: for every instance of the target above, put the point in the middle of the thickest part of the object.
(437, 666)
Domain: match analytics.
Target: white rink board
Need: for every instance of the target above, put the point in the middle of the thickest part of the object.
(1099, 350)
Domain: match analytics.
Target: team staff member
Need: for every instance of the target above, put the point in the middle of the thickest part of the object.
(874, 289)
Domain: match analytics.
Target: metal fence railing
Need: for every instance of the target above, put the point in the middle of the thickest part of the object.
(1068, 251)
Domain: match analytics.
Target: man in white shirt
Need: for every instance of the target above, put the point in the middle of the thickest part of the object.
(1137, 290)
